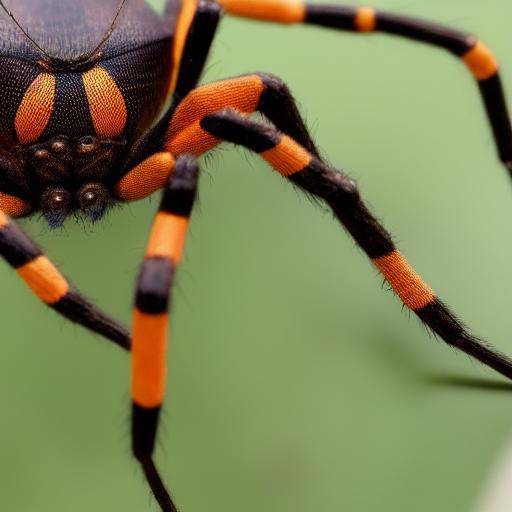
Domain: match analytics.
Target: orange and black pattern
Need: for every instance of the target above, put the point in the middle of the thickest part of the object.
(477, 57)
(257, 92)
(52, 95)
(342, 195)
(151, 316)
(83, 125)
(196, 27)
(49, 285)
(118, 97)
(196, 44)
(474, 53)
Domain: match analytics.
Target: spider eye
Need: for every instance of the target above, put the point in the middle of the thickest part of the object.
(93, 199)
(41, 154)
(87, 144)
(59, 145)
(56, 205)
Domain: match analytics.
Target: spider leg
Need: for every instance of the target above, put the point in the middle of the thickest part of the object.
(257, 92)
(341, 194)
(196, 30)
(47, 283)
(190, 132)
(151, 319)
(478, 58)
(260, 92)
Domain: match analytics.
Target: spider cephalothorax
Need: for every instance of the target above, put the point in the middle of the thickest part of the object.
(83, 123)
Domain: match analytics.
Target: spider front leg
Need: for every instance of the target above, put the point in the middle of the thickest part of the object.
(45, 280)
(151, 319)
(364, 20)
(341, 194)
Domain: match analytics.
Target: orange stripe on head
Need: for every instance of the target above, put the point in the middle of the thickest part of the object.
(167, 239)
(193, 140)
(242, 94)
(284, 11)
(366, 19)
(13, 206)
(35, 109)
(287, 157)
(149, 358)
(481, 61)
(44, 279)
(147, 177)
(185, 19)
(106, 103)
(409, 286)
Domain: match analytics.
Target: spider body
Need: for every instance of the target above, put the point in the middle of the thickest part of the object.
(85, 121)
(70, 117)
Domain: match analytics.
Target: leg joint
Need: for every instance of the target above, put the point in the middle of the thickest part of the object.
(277, 104)
(276, 92)
(274, 84)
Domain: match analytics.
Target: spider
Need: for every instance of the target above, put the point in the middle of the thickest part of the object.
(105, 108)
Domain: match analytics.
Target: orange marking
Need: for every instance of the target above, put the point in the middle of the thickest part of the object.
(241, 93)
(193, 140)
(287, 157)
(283, 11)
(167, 238)
(35, 109)
(185, 19)
(147, 177)
(13, 206)
(409, 286)
(44, 279)
(4, 220)
(481, 61)
(149, 358)
(106, 103)
(366, 19)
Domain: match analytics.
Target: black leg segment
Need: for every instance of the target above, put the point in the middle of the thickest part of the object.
(151, 319)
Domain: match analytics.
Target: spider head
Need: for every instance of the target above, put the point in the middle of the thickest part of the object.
(68, 176)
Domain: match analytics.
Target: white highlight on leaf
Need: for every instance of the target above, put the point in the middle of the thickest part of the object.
(497, 496)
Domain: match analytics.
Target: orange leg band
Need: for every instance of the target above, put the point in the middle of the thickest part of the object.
(408, 285)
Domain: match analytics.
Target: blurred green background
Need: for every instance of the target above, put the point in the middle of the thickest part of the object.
(296, 383)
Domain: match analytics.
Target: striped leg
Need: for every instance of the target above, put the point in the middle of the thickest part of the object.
(195, 31)
(257, 92)
(249, 93)
(151, 319)
(341, 194)
(479, 59)
(47, 283)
